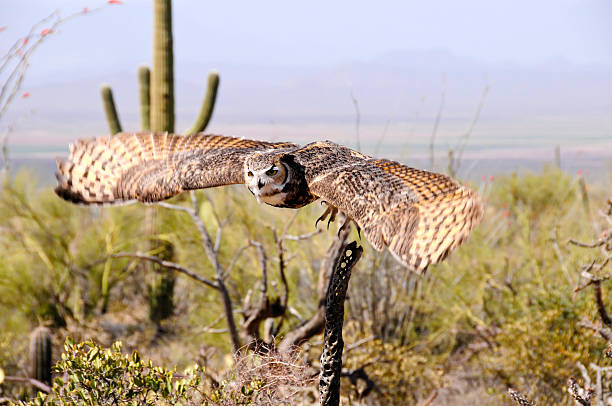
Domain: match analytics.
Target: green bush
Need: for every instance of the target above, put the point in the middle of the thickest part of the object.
(91, 375)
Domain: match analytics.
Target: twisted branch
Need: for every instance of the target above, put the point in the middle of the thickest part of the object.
(331, 358)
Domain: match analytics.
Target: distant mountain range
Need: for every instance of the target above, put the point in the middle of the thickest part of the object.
(398, 94)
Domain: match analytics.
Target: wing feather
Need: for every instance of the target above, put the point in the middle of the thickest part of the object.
(420, 216)
(152, 166)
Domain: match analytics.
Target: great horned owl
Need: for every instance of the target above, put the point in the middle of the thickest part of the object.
(420, 216)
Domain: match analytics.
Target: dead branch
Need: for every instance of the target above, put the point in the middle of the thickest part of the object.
(16, 62)
(209, 249)
(519, 399)
(437, 123)
(331, 357)
(468, 132)
(315, 325)
(581, 396)
(34, 382)
(601, 308)
(602, 331)
(168, 265)
(584, 373)
(429, 400)
(255, 315)
(587, 245)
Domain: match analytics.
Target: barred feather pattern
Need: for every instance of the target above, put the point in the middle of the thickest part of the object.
(420, 216)
(150, 167)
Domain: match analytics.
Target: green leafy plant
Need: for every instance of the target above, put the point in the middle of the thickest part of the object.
(91, 375)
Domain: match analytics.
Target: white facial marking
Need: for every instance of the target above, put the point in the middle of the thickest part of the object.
(267, 184)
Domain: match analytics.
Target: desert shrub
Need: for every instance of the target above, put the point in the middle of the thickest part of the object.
(90, 374)
(501, 308)
(266, 379)
(87, 373)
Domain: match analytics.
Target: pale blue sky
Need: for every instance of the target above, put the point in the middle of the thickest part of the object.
(289, 68)
(316, 33)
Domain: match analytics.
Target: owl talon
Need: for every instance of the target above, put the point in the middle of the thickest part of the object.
(332, 216)
(323, 216)
(330, 212)
(345, 225)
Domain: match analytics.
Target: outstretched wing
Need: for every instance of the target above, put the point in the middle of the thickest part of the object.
(420, 216)
(151, 167)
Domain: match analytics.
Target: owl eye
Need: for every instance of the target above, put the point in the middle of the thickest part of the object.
(250, 174)
(272, 171)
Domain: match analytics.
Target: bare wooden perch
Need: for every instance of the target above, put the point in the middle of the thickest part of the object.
(331, 358)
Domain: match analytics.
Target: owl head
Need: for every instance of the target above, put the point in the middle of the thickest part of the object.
(266, 176)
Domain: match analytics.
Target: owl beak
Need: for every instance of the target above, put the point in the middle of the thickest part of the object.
(254, 188)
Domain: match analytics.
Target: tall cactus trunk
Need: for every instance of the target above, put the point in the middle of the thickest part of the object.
(161, 289)
(156, 94)
(162, 78)
(40, 355)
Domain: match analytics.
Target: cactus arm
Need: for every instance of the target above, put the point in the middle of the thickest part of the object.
(144, 82)
(109, 107)
(162, 77)
(207, 106)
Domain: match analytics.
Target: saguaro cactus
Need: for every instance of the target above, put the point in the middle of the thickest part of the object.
(40, 354)
(144, 87)
(161, 290)
(109, 108)
(207, 106)
(156, 94)
(156, 87)
(162, 78)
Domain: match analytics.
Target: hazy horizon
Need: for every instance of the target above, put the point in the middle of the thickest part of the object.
(290, 72)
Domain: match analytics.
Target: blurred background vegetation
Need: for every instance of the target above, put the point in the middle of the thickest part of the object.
(500, 312)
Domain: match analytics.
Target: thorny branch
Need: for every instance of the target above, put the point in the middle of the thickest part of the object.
(602, 331)
(15, 63)
(601, 307)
